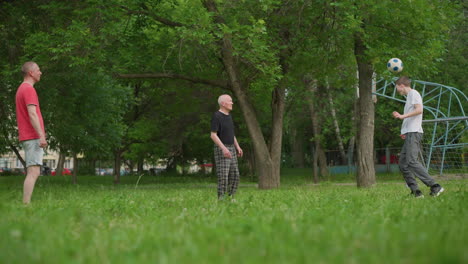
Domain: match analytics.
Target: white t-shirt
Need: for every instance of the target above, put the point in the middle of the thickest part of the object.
(413, 123)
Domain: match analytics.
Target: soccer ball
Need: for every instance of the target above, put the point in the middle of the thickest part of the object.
(395, 65)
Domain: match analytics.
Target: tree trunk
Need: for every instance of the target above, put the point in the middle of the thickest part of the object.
(201, 163)
(250, 157)
(117, 164)
(93, 165)
(319, 154)
(315, 165)
(75, 168)
(354, 122)
(322, 159)
(15, 150)
(351, 144)
(6, 134)
(130, 166)
(277, 107)
(297, 146)
(263, 161)
(268, 173)
(140, 168)
(365, 114)
(335, 123)
(61, 161)
(276, 138)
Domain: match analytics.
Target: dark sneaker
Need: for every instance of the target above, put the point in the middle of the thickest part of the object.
(417, 194)
(436, 190)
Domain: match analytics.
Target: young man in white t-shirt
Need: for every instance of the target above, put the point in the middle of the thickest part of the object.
(411, 132)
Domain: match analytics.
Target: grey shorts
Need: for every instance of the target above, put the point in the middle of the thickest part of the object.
(33, 152)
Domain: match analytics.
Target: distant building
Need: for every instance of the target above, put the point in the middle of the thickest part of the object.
(11, 161)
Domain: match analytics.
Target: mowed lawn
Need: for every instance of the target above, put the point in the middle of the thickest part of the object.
(179, 220)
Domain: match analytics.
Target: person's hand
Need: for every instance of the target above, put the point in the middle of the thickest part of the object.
(42, 142)
(227, 153)
(240, 153)
(403, 137)
(397, 115)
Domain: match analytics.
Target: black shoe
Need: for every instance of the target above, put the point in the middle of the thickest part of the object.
(436, 190)
(417, 194)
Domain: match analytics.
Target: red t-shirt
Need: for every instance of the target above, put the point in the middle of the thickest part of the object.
(26, 95)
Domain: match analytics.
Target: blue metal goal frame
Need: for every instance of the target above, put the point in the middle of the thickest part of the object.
(433, 95)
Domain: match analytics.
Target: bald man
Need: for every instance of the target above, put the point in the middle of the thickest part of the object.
(226, 148)
(30, 126)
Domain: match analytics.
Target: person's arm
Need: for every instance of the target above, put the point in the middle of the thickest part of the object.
(36, 125)
(418, 109)
(240, 153)
(220, 144)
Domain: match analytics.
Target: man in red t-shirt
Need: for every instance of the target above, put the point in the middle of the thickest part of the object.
(30, 126)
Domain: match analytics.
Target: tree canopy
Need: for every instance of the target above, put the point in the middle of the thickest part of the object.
(138, 80)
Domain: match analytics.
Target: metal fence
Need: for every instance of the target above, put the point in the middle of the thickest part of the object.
(445, 145)
(438, 157)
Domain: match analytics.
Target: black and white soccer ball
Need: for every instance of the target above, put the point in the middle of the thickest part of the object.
(395, 65)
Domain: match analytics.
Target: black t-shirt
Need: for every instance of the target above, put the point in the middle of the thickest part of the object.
(223, 125)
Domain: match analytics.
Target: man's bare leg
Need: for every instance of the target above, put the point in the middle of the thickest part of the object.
(29, 182)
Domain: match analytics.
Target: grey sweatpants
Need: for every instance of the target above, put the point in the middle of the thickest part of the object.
(409, 163)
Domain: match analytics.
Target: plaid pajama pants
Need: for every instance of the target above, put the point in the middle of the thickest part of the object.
(227, 171)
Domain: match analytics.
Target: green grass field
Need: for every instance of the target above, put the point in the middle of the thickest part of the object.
(178, 220)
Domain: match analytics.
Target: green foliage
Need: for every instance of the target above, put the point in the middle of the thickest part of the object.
(388, 127)
(414, 31)
(452, 66)
(82, 105)
(172, 124)
(80, 45)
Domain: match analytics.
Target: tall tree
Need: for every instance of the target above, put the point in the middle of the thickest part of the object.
(319, 158)
(418, 41)
(81, 104)
(253, 56)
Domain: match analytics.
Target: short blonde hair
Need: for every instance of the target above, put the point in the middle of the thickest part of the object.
(27, 67)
